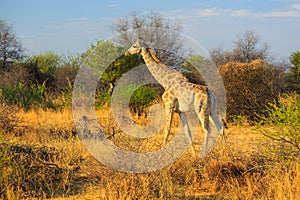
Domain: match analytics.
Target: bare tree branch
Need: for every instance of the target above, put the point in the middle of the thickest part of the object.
(159, 33)
(10, 47)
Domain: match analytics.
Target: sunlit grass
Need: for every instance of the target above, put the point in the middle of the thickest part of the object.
(237, 168)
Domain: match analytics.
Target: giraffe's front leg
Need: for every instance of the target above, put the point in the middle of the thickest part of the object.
(168, 99)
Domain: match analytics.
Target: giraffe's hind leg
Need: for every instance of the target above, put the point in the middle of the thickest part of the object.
(203, 110)
(204, 119)
(187, 131)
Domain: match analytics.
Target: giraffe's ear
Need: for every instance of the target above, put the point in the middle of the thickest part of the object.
(141, 42)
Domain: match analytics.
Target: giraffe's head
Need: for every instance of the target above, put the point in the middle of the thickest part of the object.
(136, 48)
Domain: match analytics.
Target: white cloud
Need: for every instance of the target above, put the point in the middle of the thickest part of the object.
(278, 27)
(222, 12)
(296, 6)
(294, 11)
(217, 12)
(180, 14)
(210, 12)
(289, 13)
(238, 13)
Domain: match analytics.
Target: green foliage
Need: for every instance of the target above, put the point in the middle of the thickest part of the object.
(26, 97)
(47, 62)
(142, 98)
(102, 99)
(43, 66)
(64, 99)
(190, 71)
(295, 60)
(121, 65)
(101, 55)
(295, 71)
(108, 59)
(139, 97)
(239, 120)
(285, 120)
(71, 60)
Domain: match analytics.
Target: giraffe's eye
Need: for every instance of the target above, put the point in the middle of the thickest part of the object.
(134, 46)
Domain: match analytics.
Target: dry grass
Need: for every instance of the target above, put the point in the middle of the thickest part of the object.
(45, 159)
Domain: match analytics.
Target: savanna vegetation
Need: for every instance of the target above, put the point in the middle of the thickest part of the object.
(41, 155)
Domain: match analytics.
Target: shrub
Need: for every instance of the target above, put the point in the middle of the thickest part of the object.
(16, 74)
(65, 77)
(43, 66)
(285, 122)
(102, 98)
(142, 98)
(250, 87)
(139, 97)
(26, 97)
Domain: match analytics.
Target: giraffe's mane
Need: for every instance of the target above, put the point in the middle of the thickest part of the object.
(155, 58)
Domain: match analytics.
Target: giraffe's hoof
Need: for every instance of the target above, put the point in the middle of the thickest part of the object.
(202, 153)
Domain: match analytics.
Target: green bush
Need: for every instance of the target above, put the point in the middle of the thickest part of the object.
(42, 67)
(285, 122)
(139, 97)
(26, 97)
(142, 98)
(102, 99)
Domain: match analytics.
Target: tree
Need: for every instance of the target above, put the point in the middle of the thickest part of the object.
(295, 71)
(295, 60)
(159, 33)
(220, 56)
(10, 47)
(247, 48)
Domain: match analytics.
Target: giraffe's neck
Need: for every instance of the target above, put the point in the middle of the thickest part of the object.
(158, 70)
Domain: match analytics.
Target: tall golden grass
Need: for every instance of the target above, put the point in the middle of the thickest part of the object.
(43, 158)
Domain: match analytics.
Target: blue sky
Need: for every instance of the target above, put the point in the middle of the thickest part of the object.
(70, 26)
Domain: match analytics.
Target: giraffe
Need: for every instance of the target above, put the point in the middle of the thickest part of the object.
(180, 95)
